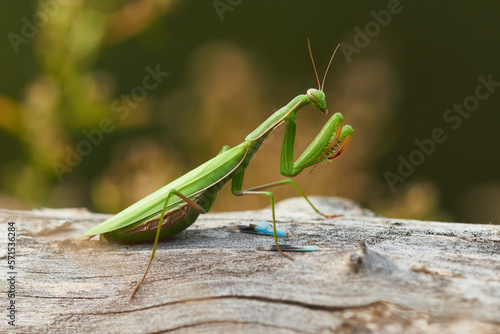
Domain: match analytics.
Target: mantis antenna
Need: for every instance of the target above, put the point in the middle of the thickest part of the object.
(312, 59)
(328, 67)
(320, 87)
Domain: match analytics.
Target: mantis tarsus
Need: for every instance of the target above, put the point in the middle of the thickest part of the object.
(178, 204)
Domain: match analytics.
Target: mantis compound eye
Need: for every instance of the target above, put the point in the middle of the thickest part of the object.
(310, 93)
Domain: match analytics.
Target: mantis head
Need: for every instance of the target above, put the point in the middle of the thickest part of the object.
(317, 98)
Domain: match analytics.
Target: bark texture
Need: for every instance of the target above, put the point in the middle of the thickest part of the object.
(372, 274)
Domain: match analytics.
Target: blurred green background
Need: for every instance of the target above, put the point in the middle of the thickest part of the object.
(84, 123)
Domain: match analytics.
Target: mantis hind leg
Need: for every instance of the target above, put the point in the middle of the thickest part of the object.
(192, 204)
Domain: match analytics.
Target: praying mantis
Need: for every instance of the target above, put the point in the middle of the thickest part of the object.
(177, 205)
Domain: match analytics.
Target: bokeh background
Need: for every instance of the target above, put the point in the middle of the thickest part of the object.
(71, 68)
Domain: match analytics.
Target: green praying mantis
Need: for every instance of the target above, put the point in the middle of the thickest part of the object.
(177, 205)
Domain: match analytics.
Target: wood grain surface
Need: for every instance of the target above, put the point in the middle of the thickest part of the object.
(372, 275)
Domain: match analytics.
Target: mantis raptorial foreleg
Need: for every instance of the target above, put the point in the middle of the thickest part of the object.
(316, 152)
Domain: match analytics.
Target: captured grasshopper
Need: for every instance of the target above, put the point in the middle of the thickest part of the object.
(178, 204)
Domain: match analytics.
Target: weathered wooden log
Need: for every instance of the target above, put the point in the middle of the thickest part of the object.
(372, 274)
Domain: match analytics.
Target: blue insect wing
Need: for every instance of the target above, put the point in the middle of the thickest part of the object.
(262, 228)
